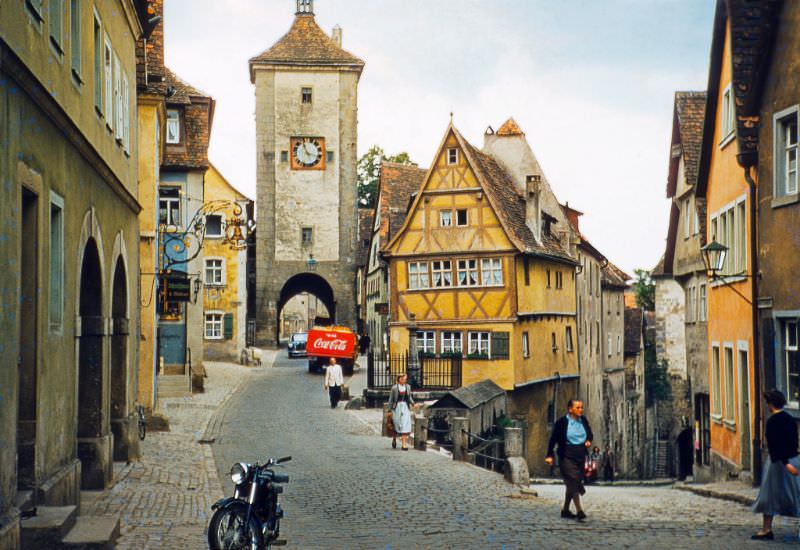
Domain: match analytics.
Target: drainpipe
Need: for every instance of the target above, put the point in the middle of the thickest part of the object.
(757, 373)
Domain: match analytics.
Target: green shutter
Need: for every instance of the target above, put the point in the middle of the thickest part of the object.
(227, 326)
(499, 345)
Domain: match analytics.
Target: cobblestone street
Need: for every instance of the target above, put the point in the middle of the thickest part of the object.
(349, 489)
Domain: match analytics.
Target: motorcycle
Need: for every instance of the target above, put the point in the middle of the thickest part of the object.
(251, 518)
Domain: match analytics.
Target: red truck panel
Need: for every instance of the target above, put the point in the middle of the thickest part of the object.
(328, 343)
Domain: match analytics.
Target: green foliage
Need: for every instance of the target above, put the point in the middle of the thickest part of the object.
(645, 290)
(369, 170)
(656, 379)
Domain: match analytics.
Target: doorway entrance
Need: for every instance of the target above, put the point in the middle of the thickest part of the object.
(28, 343)
(119, 363)
(744, 409)
(310, 284)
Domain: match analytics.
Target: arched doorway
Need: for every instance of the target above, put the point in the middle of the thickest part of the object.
(120, 425)
(93, 437)
(310, 283)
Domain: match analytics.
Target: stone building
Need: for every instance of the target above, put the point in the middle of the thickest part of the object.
(306, 131)
(224, 273)
(633, 456)
(70, 247)
(396, 185)
(682, 289)
(362, 260)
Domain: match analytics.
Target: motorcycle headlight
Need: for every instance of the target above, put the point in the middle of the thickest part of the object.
(239, 472)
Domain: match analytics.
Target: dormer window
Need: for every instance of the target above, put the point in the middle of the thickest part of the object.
(452, 156)
(173, 126)
(306, 96)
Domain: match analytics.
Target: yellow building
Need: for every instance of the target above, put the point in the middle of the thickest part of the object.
(224, 275)
(478, 270)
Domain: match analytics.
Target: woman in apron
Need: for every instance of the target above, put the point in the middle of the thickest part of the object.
(400, 402)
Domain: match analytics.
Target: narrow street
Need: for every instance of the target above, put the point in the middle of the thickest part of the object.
(349, 489)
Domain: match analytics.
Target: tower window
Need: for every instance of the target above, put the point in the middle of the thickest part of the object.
(284, 156)
(306, 235)
(329, 156)
(452, 155)
(306, 96)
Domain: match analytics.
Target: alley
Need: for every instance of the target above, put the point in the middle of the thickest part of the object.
(349, 489)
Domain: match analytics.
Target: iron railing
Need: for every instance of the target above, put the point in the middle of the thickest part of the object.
(424, 373)
(489, 453)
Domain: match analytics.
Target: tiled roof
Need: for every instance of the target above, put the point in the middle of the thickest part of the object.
(183, 90)
(613, 276)
(397, 183)
(510, 128)
(364, 234)
(690, 108)
(658, 270)
(508, 204)
(633, 330)
(306, 44)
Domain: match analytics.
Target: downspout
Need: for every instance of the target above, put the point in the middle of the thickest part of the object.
(754, 274)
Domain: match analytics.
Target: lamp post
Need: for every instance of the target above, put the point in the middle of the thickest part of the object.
(714, 255)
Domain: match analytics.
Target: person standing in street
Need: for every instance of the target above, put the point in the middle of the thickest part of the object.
(571, 437)
(400, 402)
(334, 381)
(780, 485)
(608, 464)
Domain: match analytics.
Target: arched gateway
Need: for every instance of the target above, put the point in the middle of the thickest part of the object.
(306, 88)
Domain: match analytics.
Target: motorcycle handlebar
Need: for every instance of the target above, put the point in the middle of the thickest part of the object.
(280, 478)
(283, 459)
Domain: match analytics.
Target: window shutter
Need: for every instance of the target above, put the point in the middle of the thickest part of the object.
(227, 326)
(499, 345)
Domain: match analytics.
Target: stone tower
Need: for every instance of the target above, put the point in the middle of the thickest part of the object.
(306, 119)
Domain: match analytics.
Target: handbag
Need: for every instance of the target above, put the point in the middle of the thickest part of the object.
(390, 425)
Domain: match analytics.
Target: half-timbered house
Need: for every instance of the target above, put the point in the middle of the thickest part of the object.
(478, 270)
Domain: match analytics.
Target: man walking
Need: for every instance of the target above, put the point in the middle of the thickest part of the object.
(334, 381)
(572, 435)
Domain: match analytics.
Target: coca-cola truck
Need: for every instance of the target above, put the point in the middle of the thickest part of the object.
(326, 342)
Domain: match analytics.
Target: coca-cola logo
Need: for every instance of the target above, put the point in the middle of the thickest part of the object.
(337, 344)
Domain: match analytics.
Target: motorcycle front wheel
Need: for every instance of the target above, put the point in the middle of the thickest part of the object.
(229, 530)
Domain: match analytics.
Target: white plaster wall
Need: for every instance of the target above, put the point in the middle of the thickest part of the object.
(195, 321)
(307, 197)
(670, 326)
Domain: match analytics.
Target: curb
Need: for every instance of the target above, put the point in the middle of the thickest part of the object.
(618, 483)
(710, 493)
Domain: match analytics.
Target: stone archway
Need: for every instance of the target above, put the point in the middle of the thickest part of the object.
(310, 283)
(126, 444)
(94, 440)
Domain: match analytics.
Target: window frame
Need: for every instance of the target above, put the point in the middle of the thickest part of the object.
(444, 268)
(786, 349)
(56, 266)
(568, 338)
(213, 313)
(306, 230)
(98, 60)
(452, 156)
(416, 277)
(55, 13)
(221, 233)
(173, 204)
(477, 336)
(729, 383)
(175, 122)
(781, 192)
(75, 41)
(467, 270)
(457, 217)
(310, 90)
(108, 79)
(728, 116)
(716, 382)
(447, 339)
(428, 338)
(446, 215)
(492, 270)
(526, 350)
(215, 269)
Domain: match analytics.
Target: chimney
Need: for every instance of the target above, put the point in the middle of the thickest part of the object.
(533, 208)
(336, 35)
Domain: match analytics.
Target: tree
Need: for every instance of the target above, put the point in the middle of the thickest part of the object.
(369, 170)
(645, 290)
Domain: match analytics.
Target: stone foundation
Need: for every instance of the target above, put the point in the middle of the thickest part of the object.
(9, 530)
(126, 438)
(97, 466)
(62, 488)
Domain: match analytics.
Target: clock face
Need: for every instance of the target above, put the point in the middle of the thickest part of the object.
(308, 153)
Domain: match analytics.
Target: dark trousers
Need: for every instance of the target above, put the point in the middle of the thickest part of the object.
(608, 473)
(335, 393)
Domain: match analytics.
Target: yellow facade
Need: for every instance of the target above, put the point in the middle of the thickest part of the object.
(228, 297)
(475, 283)
(151, 116)
(730, 334)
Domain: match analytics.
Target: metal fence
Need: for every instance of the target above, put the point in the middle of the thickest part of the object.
(424, 373)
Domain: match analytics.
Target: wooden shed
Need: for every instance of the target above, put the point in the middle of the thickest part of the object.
(482, 403)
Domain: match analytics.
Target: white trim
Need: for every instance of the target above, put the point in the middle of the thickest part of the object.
(221, 324)
(223, 271)
(777, 164)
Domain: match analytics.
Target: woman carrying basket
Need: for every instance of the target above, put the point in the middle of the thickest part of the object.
(400, 402)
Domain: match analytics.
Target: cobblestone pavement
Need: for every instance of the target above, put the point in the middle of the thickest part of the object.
(349, 489)
(164, 500)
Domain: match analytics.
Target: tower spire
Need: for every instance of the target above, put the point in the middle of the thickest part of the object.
(305, 7)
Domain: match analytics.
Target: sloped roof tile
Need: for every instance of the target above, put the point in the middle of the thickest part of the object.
(306, 44)
(397, 183)
(510, 128)
(690, 108)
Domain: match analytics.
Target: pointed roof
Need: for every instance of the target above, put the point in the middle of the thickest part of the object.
(690, 108)
(306, 44)
(614, 277)
(507, 203)
(510, 128)
(183, 90)
(397, 183)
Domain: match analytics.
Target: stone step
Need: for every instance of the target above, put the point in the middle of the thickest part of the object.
(174, 386)
(92, 533)
(48, 526)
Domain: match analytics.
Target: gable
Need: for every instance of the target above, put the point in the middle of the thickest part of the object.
(450, 189)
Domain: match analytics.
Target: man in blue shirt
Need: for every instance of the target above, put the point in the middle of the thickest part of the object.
(571, 436)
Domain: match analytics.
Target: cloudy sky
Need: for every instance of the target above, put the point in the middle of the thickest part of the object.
(591, 83)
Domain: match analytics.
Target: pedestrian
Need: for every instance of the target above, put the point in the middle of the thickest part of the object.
(780, 485)
(572, 436)
(608, 464)
(400, 401)
(334, 381)
(593, 465)
(364, 344)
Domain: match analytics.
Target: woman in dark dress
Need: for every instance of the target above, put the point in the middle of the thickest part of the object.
(780, 484)
(571, 436)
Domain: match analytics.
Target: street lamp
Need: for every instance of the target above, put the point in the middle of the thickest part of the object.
(714, 257)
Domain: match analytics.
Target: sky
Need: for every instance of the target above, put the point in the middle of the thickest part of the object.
(590, 82)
